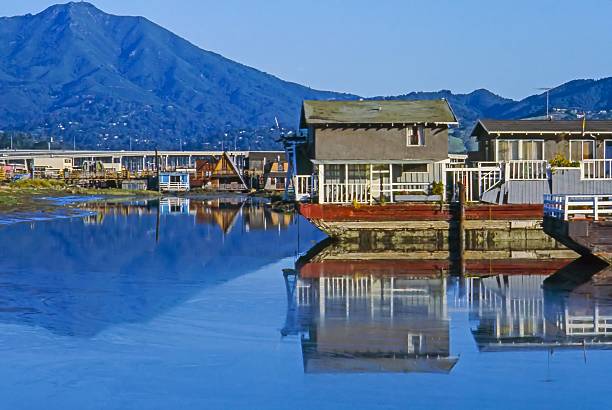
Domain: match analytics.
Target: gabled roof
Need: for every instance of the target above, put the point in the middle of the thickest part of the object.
(541, 127)
(376, 112)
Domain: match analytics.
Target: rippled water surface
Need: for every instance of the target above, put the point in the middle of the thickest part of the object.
(205, 304)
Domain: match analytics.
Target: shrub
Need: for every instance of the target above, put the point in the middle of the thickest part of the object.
(560, 161)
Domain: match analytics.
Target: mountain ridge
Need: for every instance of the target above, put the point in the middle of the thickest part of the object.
(104, 81)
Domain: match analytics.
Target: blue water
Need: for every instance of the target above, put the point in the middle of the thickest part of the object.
(189, 308)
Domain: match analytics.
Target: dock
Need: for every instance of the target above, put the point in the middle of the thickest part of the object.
(583, 223)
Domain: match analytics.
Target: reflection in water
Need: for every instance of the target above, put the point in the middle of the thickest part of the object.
(365, 323)
(85, 275)
(391, 315)
(223, 212)
(513, 312)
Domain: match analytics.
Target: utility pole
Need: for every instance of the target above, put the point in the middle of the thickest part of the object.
(547, 89)
(11, 142)
(74, 142)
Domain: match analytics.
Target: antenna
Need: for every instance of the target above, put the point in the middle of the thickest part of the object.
(547, 89)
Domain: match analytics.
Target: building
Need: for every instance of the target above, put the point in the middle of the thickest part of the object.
(372, 151)
(511, 140)
(174, 181)
(518, 161)
(266, 170)
(226, 176)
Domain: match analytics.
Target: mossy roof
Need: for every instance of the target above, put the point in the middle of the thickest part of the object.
(376, 112)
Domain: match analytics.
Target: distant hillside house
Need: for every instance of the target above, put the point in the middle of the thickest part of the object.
(375, 150)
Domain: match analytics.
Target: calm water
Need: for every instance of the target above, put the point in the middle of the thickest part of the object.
(204, 304)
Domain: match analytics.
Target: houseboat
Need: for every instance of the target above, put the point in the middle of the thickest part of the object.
(519, 161)
(373, 152)
(226, 175)
(174, 181)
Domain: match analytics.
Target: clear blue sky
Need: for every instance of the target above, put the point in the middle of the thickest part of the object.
(386, 47)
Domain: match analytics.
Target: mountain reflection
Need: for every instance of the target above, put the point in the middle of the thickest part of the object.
(356, 310)
(133, 261)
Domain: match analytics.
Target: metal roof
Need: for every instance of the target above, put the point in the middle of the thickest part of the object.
(542, 127)
(376, 112)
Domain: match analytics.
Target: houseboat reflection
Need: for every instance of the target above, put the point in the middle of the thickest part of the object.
(520, 312)
(368, 316)
(225, 213)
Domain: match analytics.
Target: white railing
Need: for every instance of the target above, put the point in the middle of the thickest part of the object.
(343, 193)
(591, 169)
(303, 186)
(568, 207)
(397, 188)
(526, 170)
(174, 186)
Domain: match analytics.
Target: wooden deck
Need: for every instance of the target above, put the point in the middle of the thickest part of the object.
(583, 223)
(418, 212)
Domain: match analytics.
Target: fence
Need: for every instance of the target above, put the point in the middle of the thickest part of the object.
(567, 207)
(593, 169)
(526, 170)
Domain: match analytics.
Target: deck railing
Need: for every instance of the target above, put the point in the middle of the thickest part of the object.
(304, 186)
(526, 170)
(342, 193)
(174, 186)
(567, 207)
(593, 169)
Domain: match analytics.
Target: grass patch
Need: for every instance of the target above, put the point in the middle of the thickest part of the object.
(37, 184)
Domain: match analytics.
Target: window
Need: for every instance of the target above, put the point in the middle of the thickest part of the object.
(532, 150)
(357, 173)
(581, 149)
(175, 178)
(334, 173)
(511, 150)
(415, 136)
(414, 168)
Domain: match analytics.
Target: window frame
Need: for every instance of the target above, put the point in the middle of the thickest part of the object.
(582, 141)
(520, 148)
(420, 136)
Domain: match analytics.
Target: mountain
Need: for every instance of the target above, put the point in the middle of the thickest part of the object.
(566, 101)
(73, 70)
(102, 81)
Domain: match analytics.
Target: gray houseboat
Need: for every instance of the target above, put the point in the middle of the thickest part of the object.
(371, 151)
(518, 161)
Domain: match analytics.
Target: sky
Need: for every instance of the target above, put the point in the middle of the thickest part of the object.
(391, 47)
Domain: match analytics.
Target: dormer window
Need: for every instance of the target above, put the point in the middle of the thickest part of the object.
(414, 136)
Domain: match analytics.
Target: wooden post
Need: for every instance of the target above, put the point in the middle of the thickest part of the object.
(595, 206)
(346, 184)
(321, 169)
(157, 170)
(391, 182)
(371, 182)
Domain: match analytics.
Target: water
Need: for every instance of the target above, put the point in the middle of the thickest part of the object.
(198, 304)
